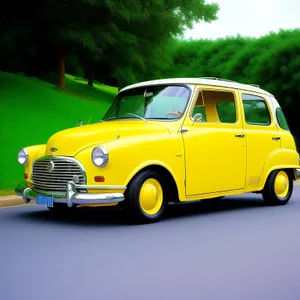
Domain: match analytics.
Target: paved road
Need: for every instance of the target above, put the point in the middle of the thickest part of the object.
(237, 249)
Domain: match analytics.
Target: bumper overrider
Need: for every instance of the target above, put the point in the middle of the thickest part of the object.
(74, 194)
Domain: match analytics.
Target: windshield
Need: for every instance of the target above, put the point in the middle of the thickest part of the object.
(154, 102)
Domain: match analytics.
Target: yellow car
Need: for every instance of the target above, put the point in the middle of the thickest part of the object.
(168, 140)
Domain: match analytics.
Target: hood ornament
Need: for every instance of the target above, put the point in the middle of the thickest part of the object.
(53, 149)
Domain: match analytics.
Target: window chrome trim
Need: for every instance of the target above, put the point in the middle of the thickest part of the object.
(188, 86)
(200, 90)
(268, 105)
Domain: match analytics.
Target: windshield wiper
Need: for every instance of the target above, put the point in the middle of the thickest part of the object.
(137, 116)
(112, 118)
(118, 118)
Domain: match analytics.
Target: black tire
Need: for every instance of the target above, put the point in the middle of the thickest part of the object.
(270, 196)
(132, 197)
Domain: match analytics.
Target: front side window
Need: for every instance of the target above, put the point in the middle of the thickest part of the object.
(215, 107)
(256, 110)
(153, 102)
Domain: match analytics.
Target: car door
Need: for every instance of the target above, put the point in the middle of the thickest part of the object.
(261, 133)
(214, 144)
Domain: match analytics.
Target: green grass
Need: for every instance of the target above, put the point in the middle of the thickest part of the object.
(7, 192)
(32, 110)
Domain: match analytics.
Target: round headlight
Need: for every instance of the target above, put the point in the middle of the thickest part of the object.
(23, 157)
(99, 157)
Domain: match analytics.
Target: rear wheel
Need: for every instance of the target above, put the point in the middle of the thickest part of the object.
(146, 197)
(278, 188)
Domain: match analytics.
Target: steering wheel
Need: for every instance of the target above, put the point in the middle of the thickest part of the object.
(177, 113)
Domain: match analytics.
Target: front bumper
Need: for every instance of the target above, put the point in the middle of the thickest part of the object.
(74, 194)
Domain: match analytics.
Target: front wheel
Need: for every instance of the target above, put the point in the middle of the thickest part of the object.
(279, 188)
(146, 197)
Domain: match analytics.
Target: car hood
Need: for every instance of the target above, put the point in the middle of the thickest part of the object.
(71, 141)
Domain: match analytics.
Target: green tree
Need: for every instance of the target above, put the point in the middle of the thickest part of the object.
(122, 34)
(138, 48)
(271, 61)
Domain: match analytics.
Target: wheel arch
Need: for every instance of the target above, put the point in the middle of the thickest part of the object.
(173, 191)
(283, 159)
(289, 169)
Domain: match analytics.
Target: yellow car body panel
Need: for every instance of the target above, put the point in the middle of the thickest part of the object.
(130, 154)
(206, 159)
(71, 141)
(281, 159)
(215, 158)
(34, 152)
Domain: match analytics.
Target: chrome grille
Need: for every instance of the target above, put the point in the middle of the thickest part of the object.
(55, 180)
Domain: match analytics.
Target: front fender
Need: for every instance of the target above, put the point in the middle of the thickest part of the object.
(148, 163)
(281, 159)
(129, 155)
(34, 152)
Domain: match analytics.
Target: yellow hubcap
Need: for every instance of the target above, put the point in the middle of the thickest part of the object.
(282, 184)
(151, 196)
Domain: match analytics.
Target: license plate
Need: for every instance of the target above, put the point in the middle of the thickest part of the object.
(44, 200)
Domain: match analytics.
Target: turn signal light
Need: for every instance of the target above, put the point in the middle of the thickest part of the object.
(99, 178)
(26, 176)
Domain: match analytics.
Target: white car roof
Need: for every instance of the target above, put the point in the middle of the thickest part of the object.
(210, 81)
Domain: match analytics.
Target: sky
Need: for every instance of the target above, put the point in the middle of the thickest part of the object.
(248, 18)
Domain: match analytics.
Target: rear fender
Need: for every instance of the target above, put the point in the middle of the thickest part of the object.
(281, 159)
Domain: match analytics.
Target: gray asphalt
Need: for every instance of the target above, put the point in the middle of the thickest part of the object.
(236, 248)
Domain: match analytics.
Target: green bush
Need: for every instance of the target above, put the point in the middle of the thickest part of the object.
(272, 62)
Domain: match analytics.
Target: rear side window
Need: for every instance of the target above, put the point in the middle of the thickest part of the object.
(256, 110)
(282, 122)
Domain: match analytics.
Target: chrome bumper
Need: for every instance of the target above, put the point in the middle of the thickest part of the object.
(73, 196)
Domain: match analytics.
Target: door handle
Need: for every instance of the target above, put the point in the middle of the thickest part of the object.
(239, 135)
(183, 130)
(275, 138)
